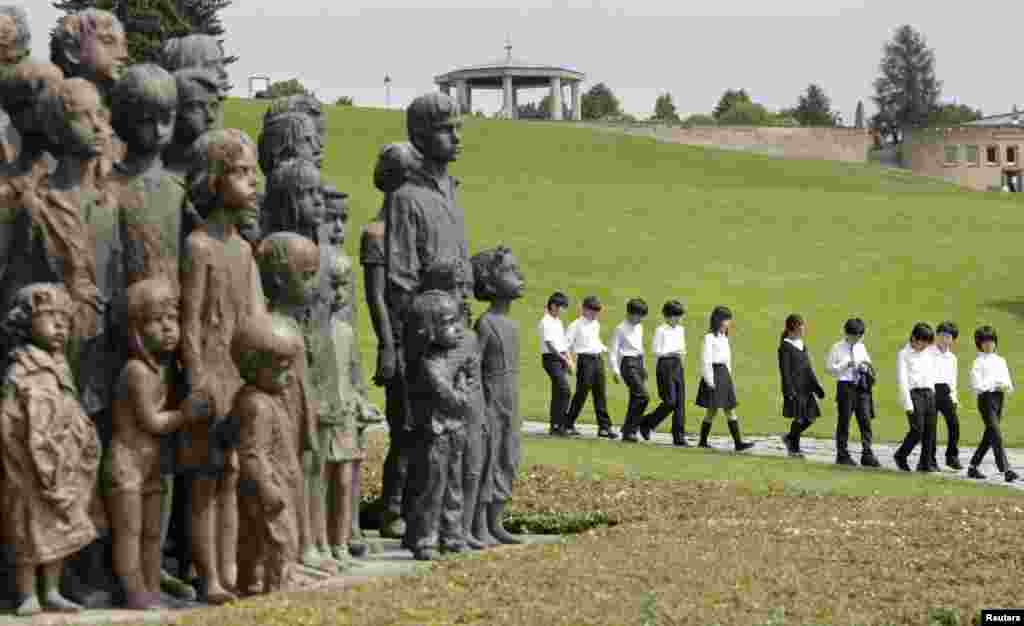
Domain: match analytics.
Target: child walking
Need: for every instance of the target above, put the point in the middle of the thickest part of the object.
(990, 379)
(947, 399)
(849, 362)
(915, 373)
(669, 348)
(799, 384)
(715, 390)
(554, 354)
(627, 359)
(584, 336)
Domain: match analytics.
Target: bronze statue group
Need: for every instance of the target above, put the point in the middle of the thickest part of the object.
(926, 375)
(182, 389)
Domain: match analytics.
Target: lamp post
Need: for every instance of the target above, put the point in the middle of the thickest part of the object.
(387, 91)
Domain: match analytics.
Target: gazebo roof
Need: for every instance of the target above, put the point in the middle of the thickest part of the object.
(509, 66)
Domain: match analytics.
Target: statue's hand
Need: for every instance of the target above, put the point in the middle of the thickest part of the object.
(386, 365)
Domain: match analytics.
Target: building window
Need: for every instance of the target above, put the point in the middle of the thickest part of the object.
(992, 155)
(972, 155)
(1011, 155)
(952, 154)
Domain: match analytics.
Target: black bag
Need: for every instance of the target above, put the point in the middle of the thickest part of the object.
(866, 379)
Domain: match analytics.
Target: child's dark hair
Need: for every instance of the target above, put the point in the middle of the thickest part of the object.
(983, 334)
(486, 265)
(718, 315)
(793, 322)
(558, 299)
(854, 326)
(922, 332)
(636, 306)
(592, 303)
(673, 308)
(948, 328)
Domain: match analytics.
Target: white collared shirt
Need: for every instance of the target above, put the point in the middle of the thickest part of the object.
(947, 370)
(669, 341)
(551, 330)
(585, 337)
(841, 355)
(628, 340)
(797, 343)
(915, 369)
(990, 369)
(716, 350)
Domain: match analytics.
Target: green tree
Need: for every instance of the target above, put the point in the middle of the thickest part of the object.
(953, 115)
(283, 88)
(344, 101)
(699, 119)
(858, 118)
(746, 113)
(906, 90)
(665, 109)
(728, 100)
(598, 102)
(813, 108)
(148, 23)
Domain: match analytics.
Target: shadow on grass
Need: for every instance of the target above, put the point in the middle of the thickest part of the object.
(1013, 307)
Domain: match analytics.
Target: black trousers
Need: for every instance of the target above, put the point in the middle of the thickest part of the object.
(945, 406)
(635, 376)
(590, 377)
(922, 427)
(672, 392)
(560, 392)
(850, 401)
(990, 405)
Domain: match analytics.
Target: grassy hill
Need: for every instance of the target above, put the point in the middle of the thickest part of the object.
(600, 213)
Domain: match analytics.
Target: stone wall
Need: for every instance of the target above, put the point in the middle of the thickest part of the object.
(924, 152)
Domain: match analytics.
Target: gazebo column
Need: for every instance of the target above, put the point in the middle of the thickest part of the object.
(446, 89)
(515, 103)
(577, 112)
(462, 96)
(508, 99)
(556, 98)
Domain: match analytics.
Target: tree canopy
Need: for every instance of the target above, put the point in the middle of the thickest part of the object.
(906, 90)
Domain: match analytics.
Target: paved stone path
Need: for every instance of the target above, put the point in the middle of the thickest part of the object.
(823, 451)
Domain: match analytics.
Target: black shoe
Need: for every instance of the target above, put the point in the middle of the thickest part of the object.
(737, 440)
(901, 462)
(845, 459)
(1011, 476)
(705, 430)
(557, 432)
(972, 472)
(868, 460)
(953, 463)
(645, 432)
(628, 437)
(682, 443)
(925, 469)
(608, 433)
(572, 432)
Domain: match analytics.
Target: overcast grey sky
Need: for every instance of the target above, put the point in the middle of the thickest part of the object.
(638, 47)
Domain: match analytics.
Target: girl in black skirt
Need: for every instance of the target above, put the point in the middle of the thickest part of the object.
(715, 390)
(799, 384)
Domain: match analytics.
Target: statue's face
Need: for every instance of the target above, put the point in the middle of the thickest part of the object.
(106, 53)
(335, 218)
(153, 131)
(275, 375)
(9, 51)
(199, 110)
(449, 328)
(309, 147)
(301, 282)
(50, 330)
(309, 201)
(238, 183)
(442, 143)
(508, 279)
(88, 122)
(161, 332)
(341, 281)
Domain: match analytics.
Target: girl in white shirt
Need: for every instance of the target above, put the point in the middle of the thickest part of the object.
(990, 379)
(715, 390)
(670, 349)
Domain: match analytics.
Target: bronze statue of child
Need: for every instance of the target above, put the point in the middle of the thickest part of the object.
(291, 135)
(295, 199)
(266, 350)
(199, 51)
(498, 280)
(146, 407)
(217, 292)
(48, 446)
(15, 46)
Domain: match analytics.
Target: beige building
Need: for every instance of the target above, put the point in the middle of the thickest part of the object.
(982, 155)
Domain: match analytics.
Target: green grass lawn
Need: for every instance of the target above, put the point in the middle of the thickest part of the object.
(591, 212)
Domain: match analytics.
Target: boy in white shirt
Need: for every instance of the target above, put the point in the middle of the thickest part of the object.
(946, 397)
(669, 349)
(554, 351)
(849, 362)
(627, 360)
(990, 379)
(915, 373)
(584, 335)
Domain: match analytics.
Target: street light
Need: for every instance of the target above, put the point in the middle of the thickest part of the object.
(387, 91)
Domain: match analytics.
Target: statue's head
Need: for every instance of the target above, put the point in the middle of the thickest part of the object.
(496, 275)
(433, 122)
(90, 44)
(295, 199)
(153, 327)
(265, 349)
(223, 173)
(76, 119)
(434, 318)
(198, 51)
(199, 104)
(394, 163)
(288, 264)
(289, 136)
(335, 215)
(15, 35)
(299, 103)
(40, 314)
(144, 106)
(22, 90)
(339, 278)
